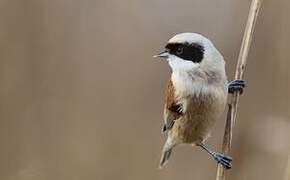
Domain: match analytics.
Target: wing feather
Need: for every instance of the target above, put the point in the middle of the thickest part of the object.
(172, 109)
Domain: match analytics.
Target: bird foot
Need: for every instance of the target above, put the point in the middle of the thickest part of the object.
(224, 160)
(236, 85)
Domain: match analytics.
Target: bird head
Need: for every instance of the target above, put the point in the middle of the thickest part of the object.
(189, 51)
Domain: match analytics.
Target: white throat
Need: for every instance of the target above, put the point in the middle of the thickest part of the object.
(191, 78)
(182, 76)
(179, 65)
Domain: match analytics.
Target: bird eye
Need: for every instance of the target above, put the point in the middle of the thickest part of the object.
(179, 50)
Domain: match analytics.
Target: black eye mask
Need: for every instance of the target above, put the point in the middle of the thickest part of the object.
(189, 52)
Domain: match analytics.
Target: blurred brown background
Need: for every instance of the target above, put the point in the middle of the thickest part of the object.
(82, 98)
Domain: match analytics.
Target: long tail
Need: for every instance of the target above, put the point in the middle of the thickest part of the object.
(166, 152)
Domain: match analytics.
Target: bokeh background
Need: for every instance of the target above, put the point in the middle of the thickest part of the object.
(82, 98)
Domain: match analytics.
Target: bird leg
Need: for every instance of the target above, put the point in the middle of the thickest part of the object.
(219, 157)
(236, 85)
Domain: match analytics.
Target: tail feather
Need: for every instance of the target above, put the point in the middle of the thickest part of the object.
(166, 152)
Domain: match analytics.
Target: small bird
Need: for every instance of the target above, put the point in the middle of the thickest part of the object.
(196, 93)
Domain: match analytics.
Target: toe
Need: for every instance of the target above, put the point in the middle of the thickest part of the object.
(237, 83)
(227, 164)
(228, 158)
(224, 160)
(232, 89)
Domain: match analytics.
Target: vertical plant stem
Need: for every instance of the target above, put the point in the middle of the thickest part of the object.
(241, 64)
(287, 171)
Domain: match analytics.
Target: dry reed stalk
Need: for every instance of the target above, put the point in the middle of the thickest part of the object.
(287, 171)
(241, 64)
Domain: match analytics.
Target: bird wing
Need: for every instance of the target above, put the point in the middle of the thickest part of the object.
(172, 109)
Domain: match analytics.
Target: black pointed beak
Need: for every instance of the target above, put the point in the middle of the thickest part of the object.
(163, 55)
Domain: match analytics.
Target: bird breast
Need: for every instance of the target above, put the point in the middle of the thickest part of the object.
(202, 102)
(196, 123)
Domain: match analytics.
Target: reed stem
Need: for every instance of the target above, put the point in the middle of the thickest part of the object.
(240, 69)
